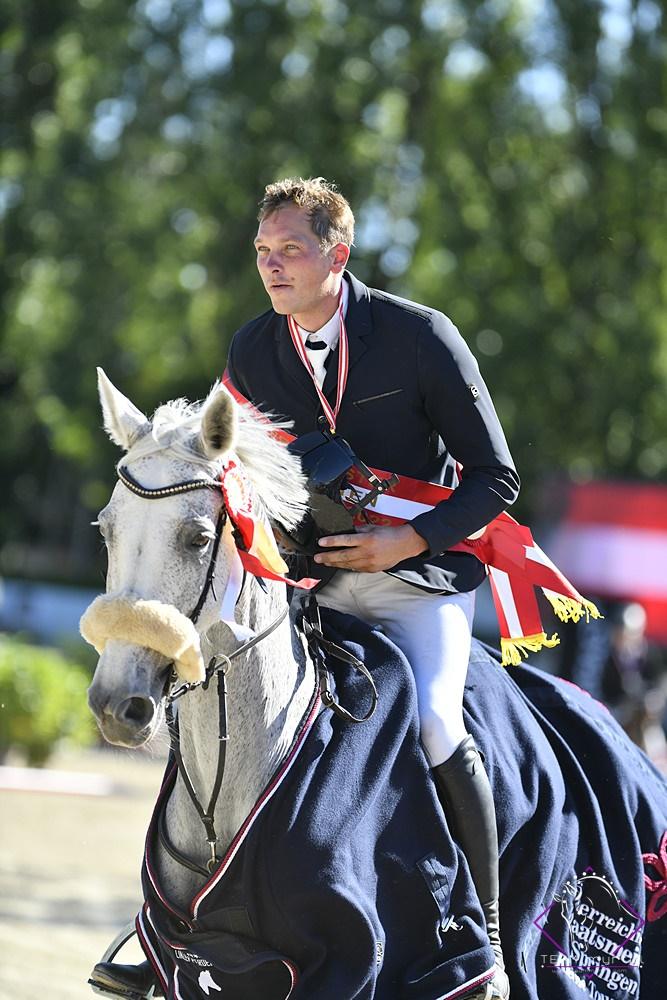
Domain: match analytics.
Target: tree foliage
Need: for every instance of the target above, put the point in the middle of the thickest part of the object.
(506, 163)
(42, 701)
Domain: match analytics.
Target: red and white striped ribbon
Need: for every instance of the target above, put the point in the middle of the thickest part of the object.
(516, 565)
(343, 365)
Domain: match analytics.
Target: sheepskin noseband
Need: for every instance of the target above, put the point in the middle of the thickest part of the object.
(152, 624)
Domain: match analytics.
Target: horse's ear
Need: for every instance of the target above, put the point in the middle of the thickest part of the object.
(218, 423)
(123, 422)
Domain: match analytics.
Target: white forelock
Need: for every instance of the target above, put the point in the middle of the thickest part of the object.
(273, 471)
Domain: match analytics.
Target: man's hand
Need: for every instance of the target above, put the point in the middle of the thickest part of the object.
(371, 550)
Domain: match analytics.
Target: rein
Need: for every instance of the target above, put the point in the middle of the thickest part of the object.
(218, 666)
(221, 662)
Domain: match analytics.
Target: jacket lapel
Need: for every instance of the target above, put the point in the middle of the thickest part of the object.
(359, 326)
(289, 360)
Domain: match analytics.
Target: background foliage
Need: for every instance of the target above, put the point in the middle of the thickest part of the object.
(506, 160)
(43, 700)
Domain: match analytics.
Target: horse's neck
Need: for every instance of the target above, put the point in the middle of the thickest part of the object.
(269, 690)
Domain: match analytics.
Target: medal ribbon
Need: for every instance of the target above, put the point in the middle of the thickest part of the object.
(343, 365)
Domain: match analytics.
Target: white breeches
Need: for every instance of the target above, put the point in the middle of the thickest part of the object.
(432, 630)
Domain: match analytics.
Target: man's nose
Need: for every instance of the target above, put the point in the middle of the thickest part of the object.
(271, 262)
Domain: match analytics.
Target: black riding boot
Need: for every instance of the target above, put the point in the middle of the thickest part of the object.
(130, 981)
(465, 794)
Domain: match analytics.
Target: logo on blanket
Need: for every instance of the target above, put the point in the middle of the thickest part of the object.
(597, 937)
(207, 983)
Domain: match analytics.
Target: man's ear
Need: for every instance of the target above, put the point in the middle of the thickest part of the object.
(340, 254)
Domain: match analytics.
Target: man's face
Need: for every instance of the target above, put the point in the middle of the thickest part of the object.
(298, 275)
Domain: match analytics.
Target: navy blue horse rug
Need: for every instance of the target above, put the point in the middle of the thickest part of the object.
(344, 882)
(579, 809)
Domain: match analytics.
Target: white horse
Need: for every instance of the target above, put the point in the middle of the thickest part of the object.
(388, 913)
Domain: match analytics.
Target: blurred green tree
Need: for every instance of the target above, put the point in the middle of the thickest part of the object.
(42, 701)
(506, 163)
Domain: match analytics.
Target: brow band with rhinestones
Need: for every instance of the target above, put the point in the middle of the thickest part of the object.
(164, 491)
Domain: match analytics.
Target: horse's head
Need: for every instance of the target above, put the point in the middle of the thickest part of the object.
(166, 543)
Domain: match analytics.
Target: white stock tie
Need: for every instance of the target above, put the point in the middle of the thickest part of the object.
(318, 352)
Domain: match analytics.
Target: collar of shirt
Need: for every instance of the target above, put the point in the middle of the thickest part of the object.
(330, 332)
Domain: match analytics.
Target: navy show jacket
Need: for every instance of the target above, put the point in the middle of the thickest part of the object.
(414, 401)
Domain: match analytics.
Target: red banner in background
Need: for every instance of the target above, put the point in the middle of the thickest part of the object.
(613, 543)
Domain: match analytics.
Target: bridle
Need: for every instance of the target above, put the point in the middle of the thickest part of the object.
(220, 663)
(217, 667)
(188, 486)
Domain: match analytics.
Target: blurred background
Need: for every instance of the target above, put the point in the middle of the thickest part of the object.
(507, 164)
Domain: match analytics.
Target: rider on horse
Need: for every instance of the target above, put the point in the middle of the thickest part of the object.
(398, 382)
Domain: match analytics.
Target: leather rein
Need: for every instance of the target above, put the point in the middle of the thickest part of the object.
(221, 662)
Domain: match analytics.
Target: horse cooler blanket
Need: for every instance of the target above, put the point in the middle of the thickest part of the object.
(344, 883)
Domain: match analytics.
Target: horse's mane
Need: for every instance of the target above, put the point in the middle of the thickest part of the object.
(273, 471)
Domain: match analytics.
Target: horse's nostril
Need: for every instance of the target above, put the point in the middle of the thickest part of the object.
(135, 711)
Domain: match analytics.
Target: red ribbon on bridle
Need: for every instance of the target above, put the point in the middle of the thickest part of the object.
(256, 544)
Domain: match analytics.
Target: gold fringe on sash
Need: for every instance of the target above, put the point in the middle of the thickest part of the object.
(567, 609)
(514, 649)
(570, 610)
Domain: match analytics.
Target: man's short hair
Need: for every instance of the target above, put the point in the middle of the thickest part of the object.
(330, 215)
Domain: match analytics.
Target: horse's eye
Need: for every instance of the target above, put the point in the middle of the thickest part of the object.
(200, 541)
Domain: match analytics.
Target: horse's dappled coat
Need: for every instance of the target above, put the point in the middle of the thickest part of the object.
(349, 854)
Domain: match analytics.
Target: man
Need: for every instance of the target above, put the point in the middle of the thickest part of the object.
(408, 398)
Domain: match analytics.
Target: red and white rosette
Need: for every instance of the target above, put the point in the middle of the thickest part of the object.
(257, 550)
(238, 495)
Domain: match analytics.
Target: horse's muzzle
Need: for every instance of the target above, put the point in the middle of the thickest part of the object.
(130, 722)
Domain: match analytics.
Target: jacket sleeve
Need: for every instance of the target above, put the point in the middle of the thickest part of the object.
(460, 408)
